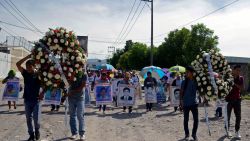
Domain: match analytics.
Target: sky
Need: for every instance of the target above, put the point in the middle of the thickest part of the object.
(102, 21)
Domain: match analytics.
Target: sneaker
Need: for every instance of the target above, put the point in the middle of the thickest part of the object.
(31, 138)
(229, 135)
(82, 137)
(37, 134)
(195, 138)
(186, 138)
(237, 135)
(74, 137)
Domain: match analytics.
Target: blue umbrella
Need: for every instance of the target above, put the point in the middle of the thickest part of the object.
(157, 72)
(106, 67)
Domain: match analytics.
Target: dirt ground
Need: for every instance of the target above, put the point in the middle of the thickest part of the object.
(163, 124)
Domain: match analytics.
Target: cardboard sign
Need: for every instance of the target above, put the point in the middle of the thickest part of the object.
(175, 96)
(103, 94)
(126, 95)
(11, 90)
(53, 96)
(150, 95)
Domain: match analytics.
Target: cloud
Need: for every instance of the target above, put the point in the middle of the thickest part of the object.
(101, 19)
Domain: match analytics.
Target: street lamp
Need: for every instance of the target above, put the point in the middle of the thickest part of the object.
(152, 31)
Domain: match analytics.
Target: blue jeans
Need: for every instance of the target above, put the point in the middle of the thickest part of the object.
(76, 109)
(33, 111)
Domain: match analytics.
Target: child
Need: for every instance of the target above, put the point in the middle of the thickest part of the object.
(11, 76)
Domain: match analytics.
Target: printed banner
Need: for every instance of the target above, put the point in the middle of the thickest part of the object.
(150, 95)
(126, 95)
(115, 84)
(87, 95)
(175, 96)
(11, 91)
(103, 94)
(53, 96)
(161, 97)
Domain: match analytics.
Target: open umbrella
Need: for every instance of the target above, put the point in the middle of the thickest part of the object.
(177, 69)
(157, 72)
(106, 67)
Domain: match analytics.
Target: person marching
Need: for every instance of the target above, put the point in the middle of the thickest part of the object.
(103, 79)
(150, 82)
(136, 82)
(31, 96)
(126, 80)
(76, 96)
(11, 76)
(234, 100)
(188, 101)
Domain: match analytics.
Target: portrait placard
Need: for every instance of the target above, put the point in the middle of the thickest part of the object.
(126, 95)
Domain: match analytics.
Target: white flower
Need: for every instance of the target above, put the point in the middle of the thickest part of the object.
(57, 76)
(55, 40)
(44, 73)
(209, 93)
(67, 35)
(69, 49)
(45, 79)
(201, 60)
(46, 56)
(71, 70)
(40, 53)
(58, 34)
(68, 63)
(77, 42)
(66, 43)
(221, 88)
(60, 48)
(62, 31)
(49, 40)
(78, 59)
(38, 66)
(61, 40)
(42, 61)
(48, 44)
(69, 74)
(37, 57)
(51, 68)
(39, 49)
(52, 32)
(77, 65)
(72, 57)
(209, 88)
(50, 75)
(203, 78)
(205, 83)
(55, 85)
(72, 44)
(201, 89)
(74, 79)
(199, 84)
(65, 68)
(76, 71)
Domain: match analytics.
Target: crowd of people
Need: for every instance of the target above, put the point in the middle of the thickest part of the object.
(33, 95)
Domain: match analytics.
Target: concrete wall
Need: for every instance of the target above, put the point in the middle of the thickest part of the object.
(5, 63)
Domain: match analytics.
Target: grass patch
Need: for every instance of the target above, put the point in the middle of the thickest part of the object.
(246, 97)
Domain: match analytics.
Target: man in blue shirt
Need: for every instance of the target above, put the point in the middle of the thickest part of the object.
(188, 101)
(31, 96)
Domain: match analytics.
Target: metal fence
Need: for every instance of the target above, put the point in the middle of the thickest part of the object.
(16, 41)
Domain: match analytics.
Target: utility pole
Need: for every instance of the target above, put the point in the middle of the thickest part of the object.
(152, 31)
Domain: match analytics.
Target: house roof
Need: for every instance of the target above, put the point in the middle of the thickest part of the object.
(243, 60)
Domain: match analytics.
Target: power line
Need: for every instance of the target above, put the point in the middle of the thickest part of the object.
(125, 21)
(132, 25)
(210, 13)
(22, 15)
(137, 8)
(15, 16)
(18, 26)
